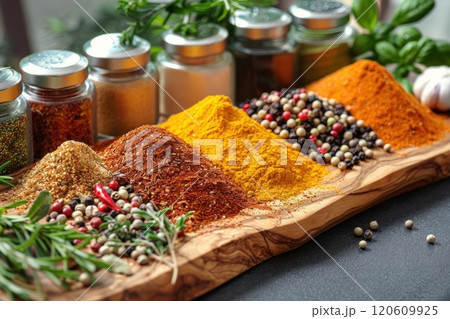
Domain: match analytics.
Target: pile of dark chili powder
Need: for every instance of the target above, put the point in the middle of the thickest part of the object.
(176, 181)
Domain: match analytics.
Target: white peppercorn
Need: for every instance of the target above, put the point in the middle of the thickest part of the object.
(409, 224)
(123, 194)
(431, 239)
(373, 225)
(387, 147)
(363, 244)
(127, 208)
(358, 231)
(84, 279)
(142, 260)
(78, 219)
(80, 207)
(121, 218)
(379, 142)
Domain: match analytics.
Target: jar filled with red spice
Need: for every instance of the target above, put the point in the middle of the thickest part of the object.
(61, 98)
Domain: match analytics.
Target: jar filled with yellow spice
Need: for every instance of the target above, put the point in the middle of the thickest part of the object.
(126, 83)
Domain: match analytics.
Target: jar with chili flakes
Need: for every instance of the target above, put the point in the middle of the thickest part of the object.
(61, 98)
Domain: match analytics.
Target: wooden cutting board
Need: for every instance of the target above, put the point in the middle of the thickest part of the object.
(228, 248)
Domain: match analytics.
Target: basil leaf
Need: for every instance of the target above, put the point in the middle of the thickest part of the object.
(400, 71)
(406, 84)
(40, 207)
(386, 51)
(409, 52)
(406, 34)
(366, 13)
(362, 44)
(443, 49)
(427, 52)
(409, 11)
(382, 30)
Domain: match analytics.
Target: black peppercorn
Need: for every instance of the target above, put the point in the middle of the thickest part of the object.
(362, 156)
(113, 213)
(329, 139)
(368, 234)
(102, 215)
(130, 250)
(77, 199)
(81, 224)
(130, 189)
(73, 203)
(89, 200)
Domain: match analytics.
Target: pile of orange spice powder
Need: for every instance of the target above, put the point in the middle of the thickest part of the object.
(373, 95)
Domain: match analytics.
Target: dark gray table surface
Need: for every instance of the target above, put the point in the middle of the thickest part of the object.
(398, 265)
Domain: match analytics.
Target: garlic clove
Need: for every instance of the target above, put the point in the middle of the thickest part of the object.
(420, 84)
(443, 102)
(430, 93)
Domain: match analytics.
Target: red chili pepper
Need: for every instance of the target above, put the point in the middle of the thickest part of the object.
(104, 197)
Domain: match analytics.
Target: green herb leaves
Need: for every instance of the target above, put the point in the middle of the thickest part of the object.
(386, 51)
(403, 46)
(4, 180)
(366, 13)
(40, 207)
(29, 250)
(409, 11)
(181, 16)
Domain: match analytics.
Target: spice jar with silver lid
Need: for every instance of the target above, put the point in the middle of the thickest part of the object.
(126, 83)
(265, 57)
(16, 141)
(61, 98)
(321, 29)
(191, 68)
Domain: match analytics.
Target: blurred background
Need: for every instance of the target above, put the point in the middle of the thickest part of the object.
(28, 25)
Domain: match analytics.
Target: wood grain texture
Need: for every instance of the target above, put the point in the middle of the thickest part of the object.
(227, 248)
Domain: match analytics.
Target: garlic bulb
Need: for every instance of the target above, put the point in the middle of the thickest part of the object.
(432, 88)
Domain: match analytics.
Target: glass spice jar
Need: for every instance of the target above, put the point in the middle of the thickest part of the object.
(321, 27)
(125, 79)
(16, 141)
(62, 99)
(192, 68)
(266, 59)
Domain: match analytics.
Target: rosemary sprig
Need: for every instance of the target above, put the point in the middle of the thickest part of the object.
(29, 250)
(4, 180)
(182, 16)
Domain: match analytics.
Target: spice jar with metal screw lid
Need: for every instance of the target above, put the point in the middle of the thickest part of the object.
(265, 56)
(321, 29)
(16, 141)
(61, 98)
(126, 83)
(191, 68)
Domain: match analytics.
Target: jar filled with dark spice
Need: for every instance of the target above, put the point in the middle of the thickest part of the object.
(125, 80)
(61, 98)
(324, 36)
(266, 59)
(16, 142)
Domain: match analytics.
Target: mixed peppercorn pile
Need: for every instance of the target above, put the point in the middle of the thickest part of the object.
(122, 224)
(303, 117)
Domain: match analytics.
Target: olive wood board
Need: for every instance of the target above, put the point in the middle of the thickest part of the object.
(227, 248)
